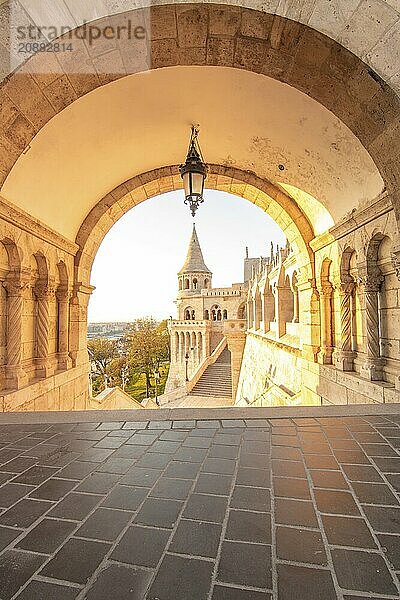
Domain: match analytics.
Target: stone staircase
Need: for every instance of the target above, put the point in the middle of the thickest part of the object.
(216, 379)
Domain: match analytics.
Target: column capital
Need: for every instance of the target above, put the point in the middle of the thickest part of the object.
(44, 289)
(325, 289)
(396, 261)
(345, 287)
(17, 282)
(372, 281)
(63, 293)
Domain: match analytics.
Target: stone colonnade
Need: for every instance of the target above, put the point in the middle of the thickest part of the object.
(43, 320)
(347, 332)
(190, 346)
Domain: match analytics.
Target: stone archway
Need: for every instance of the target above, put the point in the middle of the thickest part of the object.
(199, 36)
(217, 35)
(279, 205)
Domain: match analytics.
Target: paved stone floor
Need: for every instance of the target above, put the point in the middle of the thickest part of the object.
(295, 509)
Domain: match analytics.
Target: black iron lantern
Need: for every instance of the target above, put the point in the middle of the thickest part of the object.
(194, 173)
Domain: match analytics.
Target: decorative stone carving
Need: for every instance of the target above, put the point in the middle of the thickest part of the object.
(371, 283)
(396, 262)
(44, 291)
(344, 357)
(63, 295)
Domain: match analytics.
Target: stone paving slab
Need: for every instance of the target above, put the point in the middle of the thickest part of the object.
(301, 508)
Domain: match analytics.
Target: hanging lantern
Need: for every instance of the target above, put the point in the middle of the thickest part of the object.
(194, 173)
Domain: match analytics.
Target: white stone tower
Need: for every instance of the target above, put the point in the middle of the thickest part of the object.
(194, 275)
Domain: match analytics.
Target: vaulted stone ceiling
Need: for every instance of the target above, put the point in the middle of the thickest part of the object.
(369, 28)
(249, 121)
(142, 122)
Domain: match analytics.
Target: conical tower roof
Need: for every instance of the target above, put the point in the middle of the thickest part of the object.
(194, 262)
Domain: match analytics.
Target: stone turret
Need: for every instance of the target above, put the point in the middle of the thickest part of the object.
(194, 275)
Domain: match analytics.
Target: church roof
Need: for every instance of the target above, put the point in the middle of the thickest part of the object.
(194, 262)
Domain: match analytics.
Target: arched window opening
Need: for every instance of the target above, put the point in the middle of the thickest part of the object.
(188, 313)
(216, 314)
(206, 315)
(206, 283)
(180, 285)
(387, 326)
(242, 311)
(193, 315)
(225, 314)
(187, 284)
(195, 284)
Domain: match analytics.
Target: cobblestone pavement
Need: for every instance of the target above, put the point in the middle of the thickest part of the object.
(295, 509)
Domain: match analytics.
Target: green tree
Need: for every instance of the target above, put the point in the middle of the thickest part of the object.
(148, 344)
(102, 353)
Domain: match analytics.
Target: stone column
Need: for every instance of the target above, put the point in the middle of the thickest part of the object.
(250, 313)
(254, 313)
(325, 300)
(16, 284)
(43, 293)
(63, 296)
(372, 369)
(78, 324)
(343, 358)
(280, 311)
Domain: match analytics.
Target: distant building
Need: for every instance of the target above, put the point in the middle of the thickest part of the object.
(202, 312)
(110, 331)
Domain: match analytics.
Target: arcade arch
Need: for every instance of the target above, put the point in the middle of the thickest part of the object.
(316, 78)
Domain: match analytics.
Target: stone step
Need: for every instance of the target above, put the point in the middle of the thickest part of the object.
(216, 379)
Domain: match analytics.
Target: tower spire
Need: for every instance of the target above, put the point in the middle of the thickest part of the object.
(194, 262)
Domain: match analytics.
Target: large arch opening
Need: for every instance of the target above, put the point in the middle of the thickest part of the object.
(313, 150)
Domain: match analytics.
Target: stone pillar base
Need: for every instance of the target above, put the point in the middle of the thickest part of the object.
(16, 378)
(324, 356)
(372, 369)
(344, 360)
(44, 368)
(64, 361)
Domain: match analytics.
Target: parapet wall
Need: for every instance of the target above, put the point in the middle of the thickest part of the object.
(64, 391)
(266, 363)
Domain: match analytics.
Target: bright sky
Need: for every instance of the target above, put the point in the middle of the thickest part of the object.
(135, 270)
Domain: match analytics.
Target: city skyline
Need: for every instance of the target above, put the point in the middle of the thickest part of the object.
(159, 230)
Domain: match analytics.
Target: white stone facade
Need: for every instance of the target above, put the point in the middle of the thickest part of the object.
(201, 313)
(335, 340)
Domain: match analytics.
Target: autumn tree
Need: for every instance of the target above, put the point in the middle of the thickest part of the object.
(102, 353)
(148, 346)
